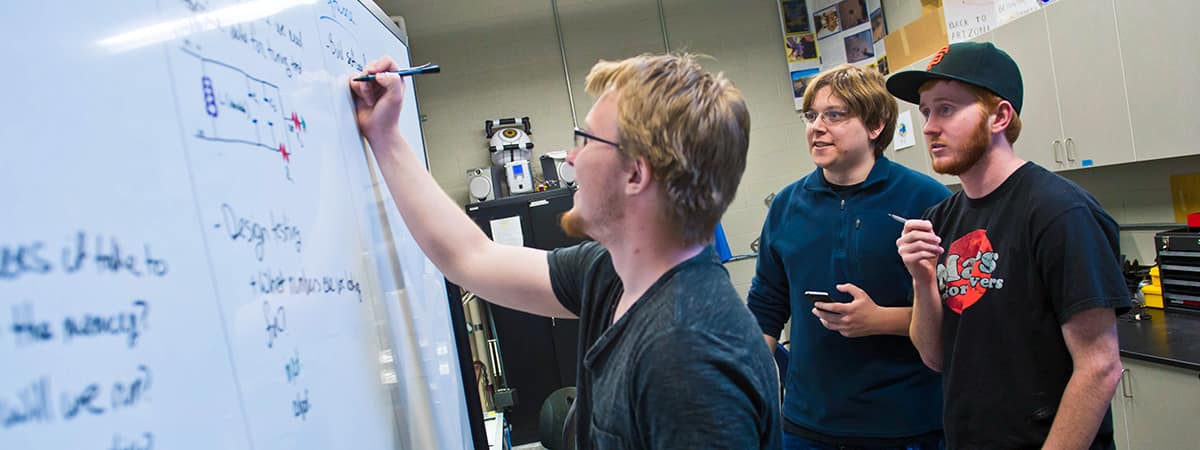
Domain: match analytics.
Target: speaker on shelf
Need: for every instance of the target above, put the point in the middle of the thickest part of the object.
(566, 173)
(483, 184)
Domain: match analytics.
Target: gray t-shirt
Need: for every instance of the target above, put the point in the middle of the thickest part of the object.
(685, 367)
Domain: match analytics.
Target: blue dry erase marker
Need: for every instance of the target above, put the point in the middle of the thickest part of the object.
(424, 68)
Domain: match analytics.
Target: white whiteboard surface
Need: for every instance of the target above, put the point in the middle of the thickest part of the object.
(195, 250)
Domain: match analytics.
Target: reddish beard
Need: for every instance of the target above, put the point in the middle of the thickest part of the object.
(961, 160)
(572, 225)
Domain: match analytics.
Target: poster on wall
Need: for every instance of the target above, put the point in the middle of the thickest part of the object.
(905, 136)
(968, 19)
(821, 34)
(799, 43)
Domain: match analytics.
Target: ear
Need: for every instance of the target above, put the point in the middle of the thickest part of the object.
(1002, 116)
(875, 132)
(639, 177)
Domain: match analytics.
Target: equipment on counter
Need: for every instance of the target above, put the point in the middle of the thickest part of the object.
(483, 184)
(1152, 290)
(556, 171)
(511, 149)
(520, 179)
(1178, 253)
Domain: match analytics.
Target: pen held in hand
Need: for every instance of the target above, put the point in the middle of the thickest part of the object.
(424, 68)
(897, 218)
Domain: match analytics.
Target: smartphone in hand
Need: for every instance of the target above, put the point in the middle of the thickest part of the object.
(817, 296)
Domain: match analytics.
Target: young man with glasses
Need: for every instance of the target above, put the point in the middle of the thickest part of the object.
(670, 356)
(854, 378)
(1017, 277)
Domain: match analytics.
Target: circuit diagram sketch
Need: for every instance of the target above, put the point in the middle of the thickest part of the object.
(240, 108)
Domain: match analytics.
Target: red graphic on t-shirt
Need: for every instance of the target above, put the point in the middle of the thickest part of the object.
(968, 271)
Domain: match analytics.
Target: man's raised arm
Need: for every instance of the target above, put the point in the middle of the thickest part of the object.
(515, 277)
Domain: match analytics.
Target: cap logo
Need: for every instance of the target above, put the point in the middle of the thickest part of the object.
(937, 57)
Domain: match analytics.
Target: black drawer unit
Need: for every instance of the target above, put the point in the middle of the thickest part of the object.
(538, 354)
(1179, 265)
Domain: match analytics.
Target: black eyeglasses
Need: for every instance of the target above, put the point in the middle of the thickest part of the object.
(582, 137)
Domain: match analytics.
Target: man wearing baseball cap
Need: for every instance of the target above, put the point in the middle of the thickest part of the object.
(1016, 277)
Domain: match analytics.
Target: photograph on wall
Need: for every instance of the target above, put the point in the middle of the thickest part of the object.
(795, 16)
(827, 22)
(833, 51)
(852, 12)
(800, 47)
(878, 29)
(859, 46)
(838, 32)
(800, 79)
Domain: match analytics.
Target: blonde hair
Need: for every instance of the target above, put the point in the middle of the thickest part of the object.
(866, 96)
(691, 127)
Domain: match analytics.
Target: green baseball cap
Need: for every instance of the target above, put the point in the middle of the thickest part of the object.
(976, 63)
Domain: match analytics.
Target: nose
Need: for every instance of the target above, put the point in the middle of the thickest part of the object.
(930, 128)
(571, 155)
(817, 127)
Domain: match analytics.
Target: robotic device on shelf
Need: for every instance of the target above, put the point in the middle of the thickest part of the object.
(511, 153)
(511, 149)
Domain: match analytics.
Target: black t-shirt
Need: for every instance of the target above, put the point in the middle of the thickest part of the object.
(840, 188)
(1019, 263)
(685, 367)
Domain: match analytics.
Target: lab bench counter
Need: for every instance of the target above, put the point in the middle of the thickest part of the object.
(1170, 337)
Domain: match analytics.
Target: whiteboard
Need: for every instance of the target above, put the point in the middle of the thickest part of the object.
(196, 251)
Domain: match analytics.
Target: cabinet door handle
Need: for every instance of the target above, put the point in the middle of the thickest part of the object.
(1070, 149)
(1056, 145)
(1126, 391)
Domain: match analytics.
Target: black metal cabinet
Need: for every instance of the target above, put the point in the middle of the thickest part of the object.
(1178, 254)
(539, 354)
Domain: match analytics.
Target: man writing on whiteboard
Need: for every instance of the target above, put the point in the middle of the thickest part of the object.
(671, 357)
